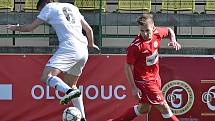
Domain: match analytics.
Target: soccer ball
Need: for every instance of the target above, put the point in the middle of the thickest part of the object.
(71, 114)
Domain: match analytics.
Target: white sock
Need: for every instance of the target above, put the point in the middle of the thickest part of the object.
(78, 103)
(58, 84)
(167, 115)
(136, 110)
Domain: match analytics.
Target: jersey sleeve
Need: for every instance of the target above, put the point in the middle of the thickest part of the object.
(132, 52)
(163, 32)
(80, 15)
(44, 13)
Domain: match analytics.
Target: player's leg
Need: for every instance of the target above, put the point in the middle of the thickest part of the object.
(143, 107)
(57, 63)
(133, 112)
(72, 93)
(78, 101)
(49, 76)
(166, 112)
(156, 97)
(71, 77)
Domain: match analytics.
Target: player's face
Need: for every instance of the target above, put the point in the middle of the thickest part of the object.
(146, 31)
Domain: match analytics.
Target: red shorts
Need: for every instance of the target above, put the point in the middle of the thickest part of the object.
(151, 91)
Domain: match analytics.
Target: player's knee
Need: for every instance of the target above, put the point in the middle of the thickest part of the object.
(43, 78)
(145, 110)
(140, 109)
(165, 110)
(167, 114)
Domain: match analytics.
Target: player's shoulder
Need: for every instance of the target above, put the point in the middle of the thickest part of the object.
(60, 5)
(52, 5)
(159, 30)
(69, 5)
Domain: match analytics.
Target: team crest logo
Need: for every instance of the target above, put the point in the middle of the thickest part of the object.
(179, 96)
(208, 97)
(155, 44)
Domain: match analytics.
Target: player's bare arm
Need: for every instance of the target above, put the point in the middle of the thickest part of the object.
(128, 72)
(173, 41)
(89, 34)
(27, 27)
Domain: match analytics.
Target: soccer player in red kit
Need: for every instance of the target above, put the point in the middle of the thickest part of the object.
(142, 69)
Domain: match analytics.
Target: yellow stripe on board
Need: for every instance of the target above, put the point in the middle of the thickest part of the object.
(207, 81)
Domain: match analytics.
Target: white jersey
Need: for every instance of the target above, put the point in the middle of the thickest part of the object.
(65, 19)
(72, 53)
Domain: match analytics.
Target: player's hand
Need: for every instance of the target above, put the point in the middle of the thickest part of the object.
(11, 27)
(136, 93)
(175, 45)
(96, 47)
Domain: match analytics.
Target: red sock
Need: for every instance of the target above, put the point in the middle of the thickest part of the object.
(127, 116)
(172, 118)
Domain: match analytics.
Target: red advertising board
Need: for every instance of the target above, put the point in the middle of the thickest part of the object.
(24, 98)
(188, 85)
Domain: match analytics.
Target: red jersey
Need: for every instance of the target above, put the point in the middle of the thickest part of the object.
(143, 55)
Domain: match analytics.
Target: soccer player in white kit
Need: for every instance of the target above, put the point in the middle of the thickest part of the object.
(72, 53)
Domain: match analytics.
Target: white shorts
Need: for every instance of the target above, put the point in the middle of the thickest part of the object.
(69, 61)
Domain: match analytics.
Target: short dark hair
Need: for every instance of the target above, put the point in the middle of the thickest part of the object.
(144, 19)
(39, 3)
